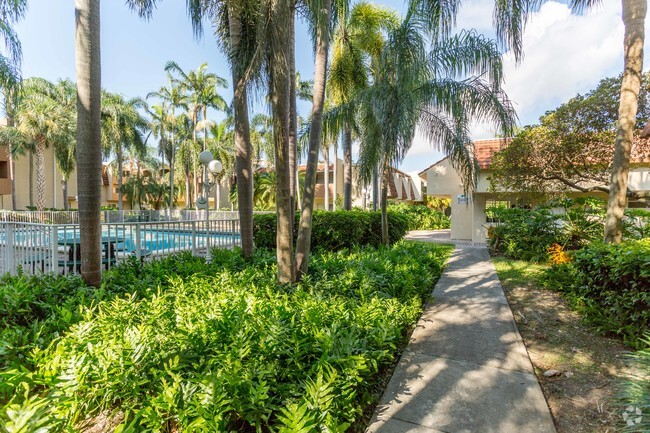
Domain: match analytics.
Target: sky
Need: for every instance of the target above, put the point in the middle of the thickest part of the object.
(565, 54)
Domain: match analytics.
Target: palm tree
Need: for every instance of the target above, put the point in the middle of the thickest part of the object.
(65, 147)
(89, 137)
(201, 88)
(357, 42)
(173, 96)
(321, 24)
(510, 18)
(122, 130)
(412, 87)
(11, 11)
(44, 119)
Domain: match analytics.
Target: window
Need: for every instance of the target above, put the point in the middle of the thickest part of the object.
(4, 170)
(491, 208)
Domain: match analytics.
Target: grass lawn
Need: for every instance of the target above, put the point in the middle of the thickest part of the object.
(178, 345)
(582, 397)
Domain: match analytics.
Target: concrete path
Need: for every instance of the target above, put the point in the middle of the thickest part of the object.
(466, 368)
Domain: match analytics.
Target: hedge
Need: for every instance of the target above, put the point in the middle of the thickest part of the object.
(337, 230)
(421, 217)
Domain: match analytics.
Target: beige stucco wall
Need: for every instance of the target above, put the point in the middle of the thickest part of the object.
(53, 188)
(468, 221)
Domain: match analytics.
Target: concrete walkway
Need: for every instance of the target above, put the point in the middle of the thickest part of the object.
(466, 368)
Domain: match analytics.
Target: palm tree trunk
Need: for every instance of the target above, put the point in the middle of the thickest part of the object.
(171, 164)
(89, 150)
(375, 189)
(40, 175)
(195, 173)
(9, 107)
(634, 12)
(347, 167)
(303, 246)
(31, 178)
(293, 113)
(336, 158)
(12, 177)
(120, 195)
(187, 190)
(279, 89)
(64, 188)
(384, 206)
(243, 148)
(326, 177)
(205, 128)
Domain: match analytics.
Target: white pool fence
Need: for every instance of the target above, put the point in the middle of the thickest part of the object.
(35, 248)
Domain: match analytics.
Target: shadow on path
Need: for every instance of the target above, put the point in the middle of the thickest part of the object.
(466, 368)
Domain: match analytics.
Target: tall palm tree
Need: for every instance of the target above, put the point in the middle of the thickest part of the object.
(412, 87)
(123, 127)
(65, 93)
(173, 96)
(235, 23)
(43, 118)
(357, 43)
(321, 24)
(159, 125)
(201, 88)
(89, 137)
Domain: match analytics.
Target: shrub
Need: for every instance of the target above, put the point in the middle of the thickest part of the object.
(421, 217)
(526, 234)
(610, 285)
(334, 231)
(228, 349)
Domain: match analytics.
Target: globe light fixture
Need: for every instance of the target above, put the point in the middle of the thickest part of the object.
(211, 168)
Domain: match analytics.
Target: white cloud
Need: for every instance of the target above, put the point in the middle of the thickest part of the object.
(564, 54)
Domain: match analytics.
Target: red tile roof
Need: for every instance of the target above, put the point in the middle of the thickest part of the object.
(484, 149)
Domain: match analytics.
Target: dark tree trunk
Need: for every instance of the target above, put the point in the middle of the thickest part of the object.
(64, 188)
(89, 149)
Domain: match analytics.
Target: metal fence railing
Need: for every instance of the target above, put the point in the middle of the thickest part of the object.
(56, 248)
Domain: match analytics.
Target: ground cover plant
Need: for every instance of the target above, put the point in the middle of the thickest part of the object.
(223, 347)
(421, 217)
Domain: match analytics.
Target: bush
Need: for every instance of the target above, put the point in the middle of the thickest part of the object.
(526, 234)
(421, 217)
(334, 231)
(226, 348)
(610, 285)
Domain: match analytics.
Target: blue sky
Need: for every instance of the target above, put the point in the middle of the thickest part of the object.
(565, 54)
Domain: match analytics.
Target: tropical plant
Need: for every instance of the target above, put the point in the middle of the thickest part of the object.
(11, 11)
(123, 128)
(357, 43)
(174, 98)
(412, 87)
(44, 118)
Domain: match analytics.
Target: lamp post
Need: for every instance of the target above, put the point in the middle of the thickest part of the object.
(210, 167)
